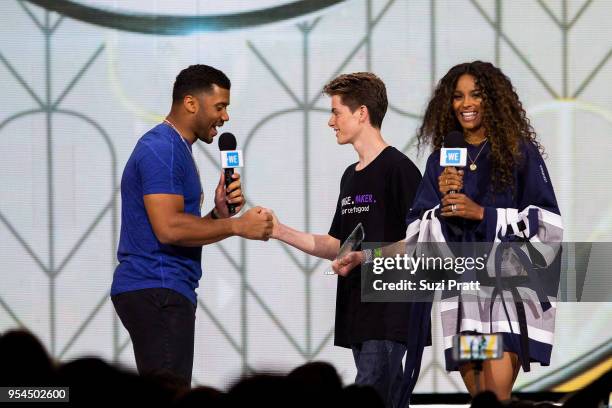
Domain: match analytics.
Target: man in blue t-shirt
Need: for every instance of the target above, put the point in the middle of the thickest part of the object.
(162, 230)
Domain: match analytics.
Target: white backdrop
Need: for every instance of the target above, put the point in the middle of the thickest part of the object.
(77, 96)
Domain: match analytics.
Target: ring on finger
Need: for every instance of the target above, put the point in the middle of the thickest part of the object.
(454, 207)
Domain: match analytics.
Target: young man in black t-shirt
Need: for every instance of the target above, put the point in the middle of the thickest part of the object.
(376, 191)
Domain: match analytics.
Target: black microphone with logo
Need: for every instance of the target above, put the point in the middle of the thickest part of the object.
(231, 158)
(454, 152)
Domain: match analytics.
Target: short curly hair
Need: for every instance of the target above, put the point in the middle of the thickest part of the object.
(504, 120)
(361, 88)
(197, 78)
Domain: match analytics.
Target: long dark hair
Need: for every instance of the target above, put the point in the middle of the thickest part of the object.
(505, 121)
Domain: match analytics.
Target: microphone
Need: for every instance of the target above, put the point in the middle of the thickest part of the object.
(230, 159)
(454, 152)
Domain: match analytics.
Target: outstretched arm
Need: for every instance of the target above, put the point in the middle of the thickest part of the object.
(173, 226)
(322, 246)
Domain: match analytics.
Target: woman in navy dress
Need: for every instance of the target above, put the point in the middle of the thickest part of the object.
(504, 195)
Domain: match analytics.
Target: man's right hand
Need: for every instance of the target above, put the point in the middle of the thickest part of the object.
(256, 223)
(276, 225)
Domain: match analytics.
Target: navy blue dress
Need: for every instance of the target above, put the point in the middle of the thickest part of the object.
(528, 213)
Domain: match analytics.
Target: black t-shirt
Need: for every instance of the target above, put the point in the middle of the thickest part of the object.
(379, 196)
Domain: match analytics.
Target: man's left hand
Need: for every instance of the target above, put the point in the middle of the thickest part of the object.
(343, 266)
(232, 195)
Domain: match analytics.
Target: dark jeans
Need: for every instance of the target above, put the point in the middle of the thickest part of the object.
(161, 323)
(379, 364)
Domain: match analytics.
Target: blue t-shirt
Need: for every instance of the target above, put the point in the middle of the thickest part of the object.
(161, 163)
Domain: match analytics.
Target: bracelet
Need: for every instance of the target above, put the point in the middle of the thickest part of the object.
(370, 254)
(213, 214)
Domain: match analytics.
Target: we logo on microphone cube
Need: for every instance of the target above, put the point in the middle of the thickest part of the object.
(231, 159)
(453, 157)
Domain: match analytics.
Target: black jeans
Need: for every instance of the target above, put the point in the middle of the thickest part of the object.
(161, 323)
(379, 365)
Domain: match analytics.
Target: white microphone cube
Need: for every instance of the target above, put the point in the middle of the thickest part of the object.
(231, 159)
(453, 156)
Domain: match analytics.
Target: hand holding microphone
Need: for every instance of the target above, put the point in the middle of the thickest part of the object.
(224, 196)
(453, 157)
(228, 194)
(450, 181)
